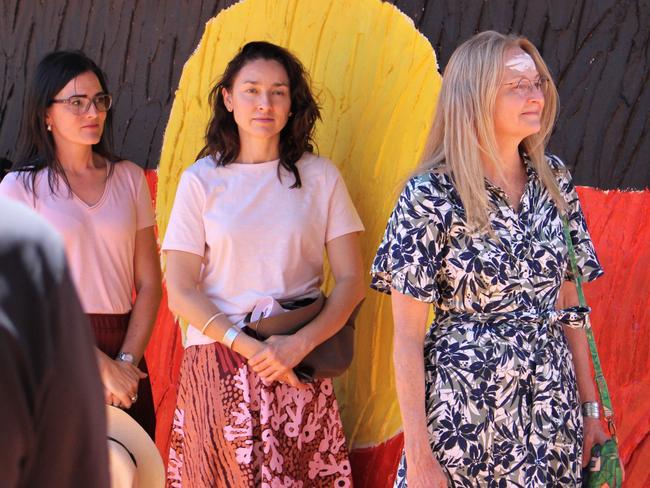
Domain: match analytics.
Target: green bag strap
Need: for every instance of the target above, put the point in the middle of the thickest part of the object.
(603, 391)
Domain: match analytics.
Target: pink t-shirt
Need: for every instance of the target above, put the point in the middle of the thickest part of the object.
(258, 237)
(99, 240)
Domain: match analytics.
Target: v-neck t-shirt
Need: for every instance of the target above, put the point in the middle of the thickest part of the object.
(257, 236)
(99, 239)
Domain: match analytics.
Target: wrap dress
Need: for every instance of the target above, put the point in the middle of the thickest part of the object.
(501, 398)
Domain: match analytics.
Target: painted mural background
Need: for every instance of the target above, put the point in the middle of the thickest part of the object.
(376, 74)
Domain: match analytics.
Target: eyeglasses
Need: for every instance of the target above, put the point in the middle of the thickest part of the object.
(80, 104)
(525, 87)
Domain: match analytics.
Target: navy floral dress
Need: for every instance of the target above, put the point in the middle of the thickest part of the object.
(501, 397)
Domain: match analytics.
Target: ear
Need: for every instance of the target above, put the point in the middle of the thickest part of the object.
(47, 120)
(227, 99)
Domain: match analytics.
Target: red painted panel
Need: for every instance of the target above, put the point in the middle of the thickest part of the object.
(376, 466)
(619, 225)
(164, 355)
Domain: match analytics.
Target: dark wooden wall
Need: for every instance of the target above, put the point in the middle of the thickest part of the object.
(597, 50)
(142, 46)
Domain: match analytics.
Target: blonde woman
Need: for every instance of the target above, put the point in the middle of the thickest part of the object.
(504, 394)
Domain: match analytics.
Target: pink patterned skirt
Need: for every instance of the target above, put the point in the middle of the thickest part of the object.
(232, 430)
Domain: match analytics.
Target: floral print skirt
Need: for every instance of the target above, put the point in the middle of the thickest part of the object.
(232, 430)
(501, 400)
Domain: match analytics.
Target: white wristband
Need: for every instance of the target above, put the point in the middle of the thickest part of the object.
(230, 336)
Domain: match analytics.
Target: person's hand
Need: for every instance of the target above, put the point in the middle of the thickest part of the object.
(120, 380)
(593, 434)
(292, 380)
(278, 358)
(423, 469)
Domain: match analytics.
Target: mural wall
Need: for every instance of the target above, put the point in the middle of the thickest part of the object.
(374, 66)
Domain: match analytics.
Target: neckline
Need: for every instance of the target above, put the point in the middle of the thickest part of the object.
(99, 202)
(501, 193)
(261, 163)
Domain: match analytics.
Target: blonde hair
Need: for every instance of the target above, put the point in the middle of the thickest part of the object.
(463, 126)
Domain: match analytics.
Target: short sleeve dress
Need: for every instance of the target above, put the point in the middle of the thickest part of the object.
(501, 397)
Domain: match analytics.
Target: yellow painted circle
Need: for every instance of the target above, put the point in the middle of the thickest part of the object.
(377, 81)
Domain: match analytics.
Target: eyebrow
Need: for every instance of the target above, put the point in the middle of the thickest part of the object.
(253, 82)
(522, 77)
(86, 96)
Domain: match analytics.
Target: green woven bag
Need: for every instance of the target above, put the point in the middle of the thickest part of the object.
(604, 469)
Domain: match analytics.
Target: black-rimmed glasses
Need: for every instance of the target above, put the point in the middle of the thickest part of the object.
(80, 104)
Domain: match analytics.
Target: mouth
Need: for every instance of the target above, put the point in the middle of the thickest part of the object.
(90, 126)
(263, 119)
(534, 112)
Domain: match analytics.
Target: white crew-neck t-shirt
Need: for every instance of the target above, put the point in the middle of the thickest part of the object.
(256, 235)
(99, 239)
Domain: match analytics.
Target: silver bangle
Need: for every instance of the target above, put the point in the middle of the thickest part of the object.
(209, 321)
(591, 410)
(230, 336)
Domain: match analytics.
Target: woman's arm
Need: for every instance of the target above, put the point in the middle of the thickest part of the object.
(410, 317)
(148, 289)
(344, 255)
(285, 352)
(120, 379)
(579, 347)
(185, 300)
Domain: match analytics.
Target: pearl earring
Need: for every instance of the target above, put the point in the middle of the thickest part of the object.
(49, 127)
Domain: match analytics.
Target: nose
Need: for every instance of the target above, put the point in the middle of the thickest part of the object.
(92, 110)
(263, 101)
(535, 92)
(536, 95)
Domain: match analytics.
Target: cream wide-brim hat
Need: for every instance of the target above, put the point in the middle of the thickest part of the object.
(149, 470)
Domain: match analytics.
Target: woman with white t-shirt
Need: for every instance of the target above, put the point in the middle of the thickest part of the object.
(252, 219)
(101, 206)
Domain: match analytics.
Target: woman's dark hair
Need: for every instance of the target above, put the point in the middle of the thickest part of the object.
(222, 135)
(36, 148)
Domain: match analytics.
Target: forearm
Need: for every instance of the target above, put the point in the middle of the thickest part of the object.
(101, 359)
(345, 297)
(409, 377)
(141, 322)
(193, 306)
(579, 347)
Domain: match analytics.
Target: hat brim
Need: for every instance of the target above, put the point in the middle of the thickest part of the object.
(150, 468)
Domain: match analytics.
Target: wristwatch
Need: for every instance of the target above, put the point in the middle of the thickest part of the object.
(591, 410)
(127, 357)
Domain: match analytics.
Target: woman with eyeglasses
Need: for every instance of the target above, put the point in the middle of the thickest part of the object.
(503, 395)
(101, 205)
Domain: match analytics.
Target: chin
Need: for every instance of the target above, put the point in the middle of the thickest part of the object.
(531, 130)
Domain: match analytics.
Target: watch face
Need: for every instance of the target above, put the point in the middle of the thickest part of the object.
(125, 356)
